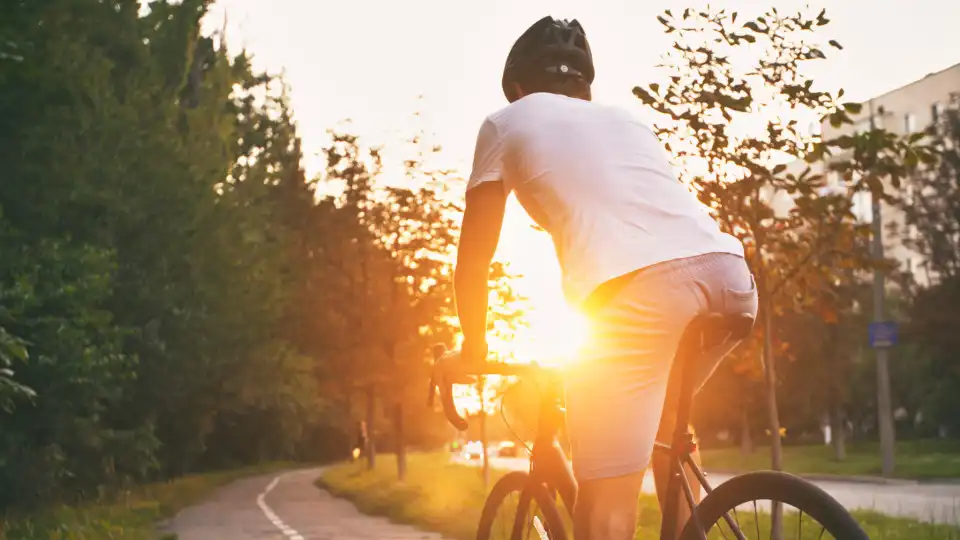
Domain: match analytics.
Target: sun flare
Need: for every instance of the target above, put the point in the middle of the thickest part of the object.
(552, 331)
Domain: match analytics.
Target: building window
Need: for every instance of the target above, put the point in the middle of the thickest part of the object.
(935, 110)
(909, 123)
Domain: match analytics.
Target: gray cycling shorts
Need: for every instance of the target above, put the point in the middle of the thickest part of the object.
(617, 385)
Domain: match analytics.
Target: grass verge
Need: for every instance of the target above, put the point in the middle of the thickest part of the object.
(132, 516)
(926, 459)
(447, 498)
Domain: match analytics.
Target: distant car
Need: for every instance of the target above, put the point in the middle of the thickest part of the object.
(508, 449)
(472, 450)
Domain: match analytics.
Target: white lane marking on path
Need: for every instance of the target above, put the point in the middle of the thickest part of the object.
(287, 530)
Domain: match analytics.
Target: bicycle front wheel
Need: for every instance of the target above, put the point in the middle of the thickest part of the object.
(814, 513)
(520, 509)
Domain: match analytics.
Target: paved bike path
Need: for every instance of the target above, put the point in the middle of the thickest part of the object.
(287, 506)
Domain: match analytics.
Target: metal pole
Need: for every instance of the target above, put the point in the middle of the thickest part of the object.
(884, 407)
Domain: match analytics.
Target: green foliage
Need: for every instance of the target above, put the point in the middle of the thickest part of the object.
(174, 293)
(732, 108)
(933, 211)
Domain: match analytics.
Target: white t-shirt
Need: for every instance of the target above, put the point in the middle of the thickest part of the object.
(598, 180)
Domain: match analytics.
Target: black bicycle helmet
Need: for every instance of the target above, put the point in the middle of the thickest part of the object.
(553, 46)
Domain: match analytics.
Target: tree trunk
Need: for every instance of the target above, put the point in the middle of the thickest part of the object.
(770, 376)
(746, 443)
(401, 444)
(371, 432)
(837, 433)
(483, 443)
(351, 424)
(776, 452)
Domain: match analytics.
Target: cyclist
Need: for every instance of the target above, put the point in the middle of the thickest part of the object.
(640, 256)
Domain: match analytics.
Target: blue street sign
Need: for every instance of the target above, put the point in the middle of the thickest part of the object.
(883, 334)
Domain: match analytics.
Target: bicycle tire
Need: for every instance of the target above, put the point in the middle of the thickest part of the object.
(781, 487)
(518, 481)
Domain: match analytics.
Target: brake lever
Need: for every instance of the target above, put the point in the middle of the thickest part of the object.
(446, 393)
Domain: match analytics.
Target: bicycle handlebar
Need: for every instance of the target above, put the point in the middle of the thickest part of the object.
(488, 368)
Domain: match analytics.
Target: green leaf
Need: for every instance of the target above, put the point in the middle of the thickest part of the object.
(821, 18)
(853, 108)
(18, 351)
(643, 95)
(835, 44)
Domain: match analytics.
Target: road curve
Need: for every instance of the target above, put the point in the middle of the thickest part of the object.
(287, 506)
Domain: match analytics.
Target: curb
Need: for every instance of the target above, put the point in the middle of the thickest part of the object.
(878, 480)
(814, 477)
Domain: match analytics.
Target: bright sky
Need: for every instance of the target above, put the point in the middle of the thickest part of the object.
(368, 60)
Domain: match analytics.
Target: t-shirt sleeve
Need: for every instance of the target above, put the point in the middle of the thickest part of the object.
(487, 156)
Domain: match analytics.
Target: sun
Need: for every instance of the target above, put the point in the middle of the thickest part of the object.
(554, 335)
(554, 330)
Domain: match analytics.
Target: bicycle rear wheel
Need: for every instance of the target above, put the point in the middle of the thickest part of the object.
(809, 501)
(520, 509)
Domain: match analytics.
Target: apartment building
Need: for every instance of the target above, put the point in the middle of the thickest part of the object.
(907, 109)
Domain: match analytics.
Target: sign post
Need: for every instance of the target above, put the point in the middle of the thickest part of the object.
(883, 334)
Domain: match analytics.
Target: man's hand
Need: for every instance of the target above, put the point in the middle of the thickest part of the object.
(460, 366)
(451, 369)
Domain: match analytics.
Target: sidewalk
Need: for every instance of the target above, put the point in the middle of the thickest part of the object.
(284, 507)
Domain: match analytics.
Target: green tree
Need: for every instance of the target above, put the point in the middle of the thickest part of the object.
(145, 258)
(732, 107)
(705, 94)
(932, 210)
(413, 224)
(724, 75)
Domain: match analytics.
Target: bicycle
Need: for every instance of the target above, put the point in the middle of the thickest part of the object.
(550, 474)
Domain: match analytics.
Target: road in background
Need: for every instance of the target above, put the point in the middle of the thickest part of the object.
(932, 502)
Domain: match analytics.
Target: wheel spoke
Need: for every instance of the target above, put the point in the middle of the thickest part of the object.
(719, 528)
(507, 518)
(756, 518)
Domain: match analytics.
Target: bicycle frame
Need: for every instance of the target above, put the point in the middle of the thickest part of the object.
(549, 465)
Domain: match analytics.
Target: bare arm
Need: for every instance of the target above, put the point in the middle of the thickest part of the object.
(479, 236)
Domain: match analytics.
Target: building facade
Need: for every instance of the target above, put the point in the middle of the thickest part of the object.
(908, 109)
